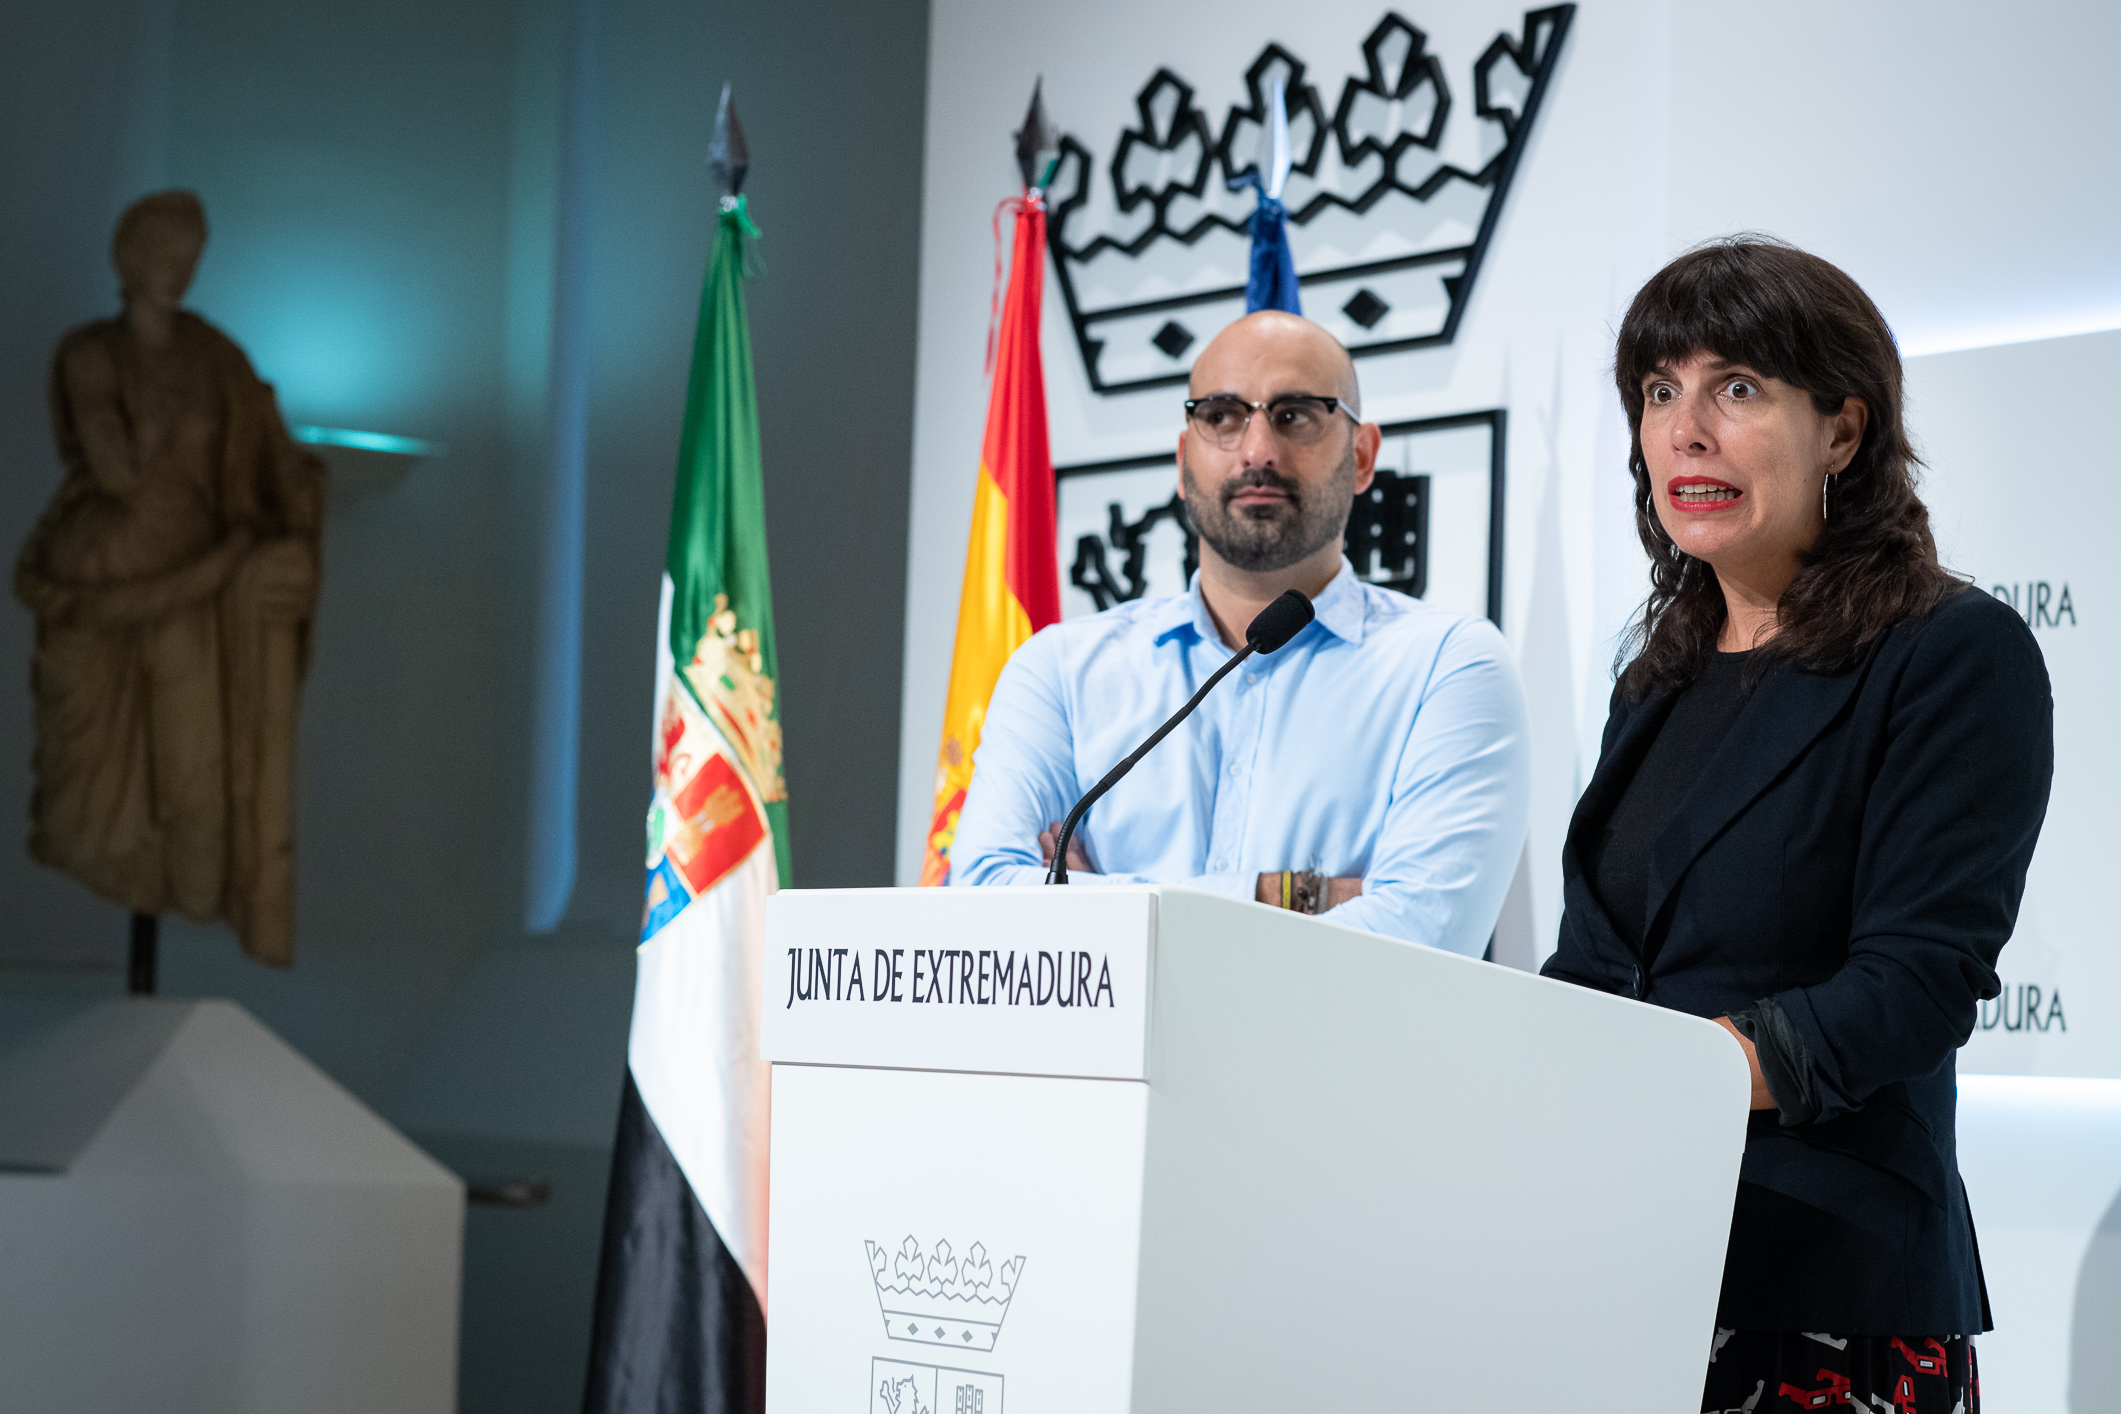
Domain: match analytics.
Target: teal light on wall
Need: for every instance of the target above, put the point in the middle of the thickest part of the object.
(556, 693)
(368, 441)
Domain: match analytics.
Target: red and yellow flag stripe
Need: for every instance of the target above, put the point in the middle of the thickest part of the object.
(1012, 566)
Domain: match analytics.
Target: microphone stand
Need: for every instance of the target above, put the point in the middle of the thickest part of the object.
(1058, 874)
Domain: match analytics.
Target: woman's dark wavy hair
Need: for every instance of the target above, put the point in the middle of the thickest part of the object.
(1789, 315)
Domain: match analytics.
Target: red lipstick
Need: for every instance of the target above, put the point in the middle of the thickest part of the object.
(1701, 504)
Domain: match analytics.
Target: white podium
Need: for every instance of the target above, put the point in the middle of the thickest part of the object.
(1067, 1151)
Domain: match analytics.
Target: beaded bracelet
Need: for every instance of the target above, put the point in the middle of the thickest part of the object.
(1302, 891)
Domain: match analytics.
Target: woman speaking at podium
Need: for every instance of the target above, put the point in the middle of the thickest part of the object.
(1822, 778)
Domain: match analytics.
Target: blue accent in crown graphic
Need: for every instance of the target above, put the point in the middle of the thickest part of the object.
(938, 1298)
(1388, 234)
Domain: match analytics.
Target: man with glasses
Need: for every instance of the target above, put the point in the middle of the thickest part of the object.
(1376, 766)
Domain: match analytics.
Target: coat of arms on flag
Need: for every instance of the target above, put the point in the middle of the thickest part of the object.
(716, 733)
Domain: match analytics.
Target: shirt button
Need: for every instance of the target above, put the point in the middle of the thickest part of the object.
(1220, 866)
(1251, 678)
(1236, 770)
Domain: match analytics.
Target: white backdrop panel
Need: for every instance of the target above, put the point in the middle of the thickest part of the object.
(2009, 445)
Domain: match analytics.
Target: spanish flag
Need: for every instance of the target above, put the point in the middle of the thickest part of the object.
(1012, 568)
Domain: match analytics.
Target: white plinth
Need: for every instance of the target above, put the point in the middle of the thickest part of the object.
(1275, 1165)
(197, 1219)
(2042, 1160)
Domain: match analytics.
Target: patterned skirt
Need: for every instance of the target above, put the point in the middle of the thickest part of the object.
(1773, 1372)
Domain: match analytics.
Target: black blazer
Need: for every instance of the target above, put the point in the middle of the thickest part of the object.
(1856, 849)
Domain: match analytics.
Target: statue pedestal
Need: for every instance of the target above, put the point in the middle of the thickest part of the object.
(194, 1217)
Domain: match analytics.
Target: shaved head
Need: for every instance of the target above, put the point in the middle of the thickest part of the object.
(1267, 486)
(1277, 347)
(1276, 502)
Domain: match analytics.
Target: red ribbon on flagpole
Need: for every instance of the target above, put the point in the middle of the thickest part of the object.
(1035, 200)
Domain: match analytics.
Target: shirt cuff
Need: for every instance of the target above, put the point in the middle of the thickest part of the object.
(1237, 886)
(1785, 1061)
(1229, 885)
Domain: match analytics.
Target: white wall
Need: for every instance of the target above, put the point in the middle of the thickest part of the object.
(1957, 159)
(1961, 174)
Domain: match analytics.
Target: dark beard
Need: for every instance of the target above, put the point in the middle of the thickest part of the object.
(1272, 537)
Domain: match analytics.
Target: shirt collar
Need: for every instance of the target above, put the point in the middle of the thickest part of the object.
(1339, 607)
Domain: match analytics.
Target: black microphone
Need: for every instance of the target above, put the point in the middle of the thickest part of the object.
(1279, 622)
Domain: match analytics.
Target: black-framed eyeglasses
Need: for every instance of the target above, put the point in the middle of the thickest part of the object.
(1299, 419)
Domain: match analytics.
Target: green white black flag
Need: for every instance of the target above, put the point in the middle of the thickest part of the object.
(682, 1291)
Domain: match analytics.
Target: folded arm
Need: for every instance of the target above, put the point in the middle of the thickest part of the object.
(1026, 780)
(1460, 804)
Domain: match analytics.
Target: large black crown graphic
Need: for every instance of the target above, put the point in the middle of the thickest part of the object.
(1388, 235)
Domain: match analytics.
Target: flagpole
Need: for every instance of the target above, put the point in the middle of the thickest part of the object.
(681, 1287)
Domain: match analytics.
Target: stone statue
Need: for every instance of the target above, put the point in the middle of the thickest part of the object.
(173, 579)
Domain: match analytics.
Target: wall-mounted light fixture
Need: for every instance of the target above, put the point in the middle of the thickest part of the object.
(369, 441)
(362, 462)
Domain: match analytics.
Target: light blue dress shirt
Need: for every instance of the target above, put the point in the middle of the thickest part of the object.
(1386, 741)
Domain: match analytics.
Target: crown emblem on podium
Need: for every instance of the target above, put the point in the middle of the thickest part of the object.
(1390, 207)
(939, 1298)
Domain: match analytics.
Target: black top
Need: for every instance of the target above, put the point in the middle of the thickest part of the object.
(1620, 856)
(1845, 870)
